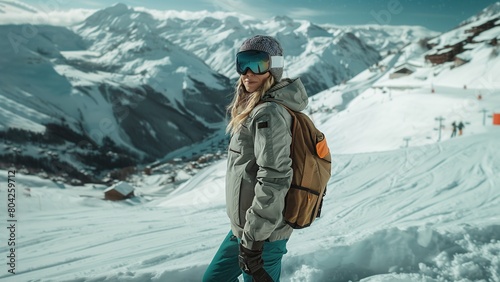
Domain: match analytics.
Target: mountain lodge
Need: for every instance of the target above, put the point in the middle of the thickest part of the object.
(119, 191)
(402, 70)
(449, 52)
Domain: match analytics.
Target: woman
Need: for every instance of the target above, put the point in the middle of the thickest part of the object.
(259, 169)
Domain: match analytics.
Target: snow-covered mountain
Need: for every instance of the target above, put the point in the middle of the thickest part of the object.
(54, 78)
(387, 39)
(322, 55)
(468, 85)
(131, 85)
(492, 10)
(117, 83)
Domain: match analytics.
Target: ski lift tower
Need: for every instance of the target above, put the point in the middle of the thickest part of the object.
(440, 120)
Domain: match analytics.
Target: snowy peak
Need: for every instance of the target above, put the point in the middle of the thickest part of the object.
(312, 30)
(120, 19)
(284, 20)
(491, 11)
(117, 10)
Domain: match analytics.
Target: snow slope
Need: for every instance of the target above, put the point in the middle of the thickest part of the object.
(429, 213)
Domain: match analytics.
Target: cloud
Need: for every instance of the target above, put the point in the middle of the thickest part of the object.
(57, 18)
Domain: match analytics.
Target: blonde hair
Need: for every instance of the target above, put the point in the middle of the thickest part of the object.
(244, 102)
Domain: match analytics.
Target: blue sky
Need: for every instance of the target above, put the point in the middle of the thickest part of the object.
(438, 15)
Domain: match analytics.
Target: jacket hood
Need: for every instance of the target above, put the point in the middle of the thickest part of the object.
(288, 92)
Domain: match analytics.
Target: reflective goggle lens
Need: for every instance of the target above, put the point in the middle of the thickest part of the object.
(257, 61)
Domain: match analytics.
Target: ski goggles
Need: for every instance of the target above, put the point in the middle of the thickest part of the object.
(259, 62)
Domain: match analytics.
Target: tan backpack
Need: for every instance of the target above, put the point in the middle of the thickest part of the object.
(311, 164)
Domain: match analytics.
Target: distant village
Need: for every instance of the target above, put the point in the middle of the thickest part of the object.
(457, 49)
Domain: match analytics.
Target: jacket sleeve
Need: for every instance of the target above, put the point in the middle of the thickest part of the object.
(272, 140)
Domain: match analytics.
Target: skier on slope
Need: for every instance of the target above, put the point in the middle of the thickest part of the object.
(460, 127)
(454, 132)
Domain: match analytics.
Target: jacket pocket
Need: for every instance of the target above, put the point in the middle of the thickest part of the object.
(234, 176)
(235, 151)
(247, 193)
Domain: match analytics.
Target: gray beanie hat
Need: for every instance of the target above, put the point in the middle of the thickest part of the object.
(266, 44)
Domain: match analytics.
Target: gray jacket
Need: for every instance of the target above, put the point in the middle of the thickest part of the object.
(259, 169)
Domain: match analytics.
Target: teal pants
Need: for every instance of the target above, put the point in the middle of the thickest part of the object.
(225, 268)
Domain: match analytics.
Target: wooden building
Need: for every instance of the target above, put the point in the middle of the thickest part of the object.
(475, 30)
(119, 191)
(461, 59)
(403, 70)
(447, 54)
